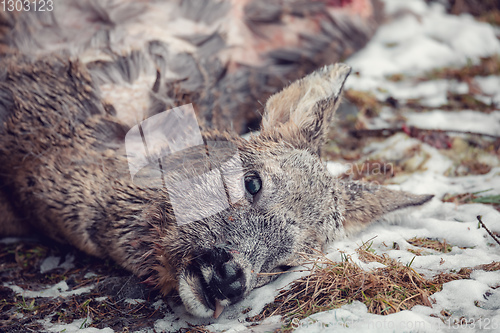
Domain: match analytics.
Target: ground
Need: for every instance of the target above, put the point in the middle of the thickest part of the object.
(422, 114)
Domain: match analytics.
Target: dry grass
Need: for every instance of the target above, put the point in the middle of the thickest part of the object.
(194, 329)
(466, 101)
(429, 243)
(487, 66)
(465, 198)
(492, 17)
(330, 285)
(103, 305)
(366, 102)
(493, 266)
(385, 290)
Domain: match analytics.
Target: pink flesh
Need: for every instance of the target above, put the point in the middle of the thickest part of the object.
(218, 309)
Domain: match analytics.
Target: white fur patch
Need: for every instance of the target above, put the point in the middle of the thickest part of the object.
(190, 299)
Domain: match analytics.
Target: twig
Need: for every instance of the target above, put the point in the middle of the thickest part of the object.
(385, 132)
(285, 272)
(487, 230)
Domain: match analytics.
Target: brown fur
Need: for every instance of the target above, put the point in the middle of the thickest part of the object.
(226, 57)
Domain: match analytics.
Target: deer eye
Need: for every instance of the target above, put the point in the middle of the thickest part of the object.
(253, 183)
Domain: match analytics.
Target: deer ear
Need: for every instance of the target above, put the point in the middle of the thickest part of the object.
(365, 203)
(301, 113)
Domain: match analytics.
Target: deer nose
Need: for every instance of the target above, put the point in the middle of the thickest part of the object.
(225, 279)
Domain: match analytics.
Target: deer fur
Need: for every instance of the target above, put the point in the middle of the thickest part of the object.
(64, 173)
(74, 84)
(225, 56)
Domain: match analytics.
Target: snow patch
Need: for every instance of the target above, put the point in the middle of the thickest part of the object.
(423, 39)
(60, 289)
(467, 121)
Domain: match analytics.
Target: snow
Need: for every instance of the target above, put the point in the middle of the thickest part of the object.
(336, 168)
(414, 43)
(490, 86)
(420, 38)
(52, 262)
(467, 121)
(58, 290)
(77, 326)
(134, 301)
(355, 318)
(492, 279)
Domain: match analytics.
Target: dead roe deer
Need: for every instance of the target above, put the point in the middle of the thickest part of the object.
(69, 100)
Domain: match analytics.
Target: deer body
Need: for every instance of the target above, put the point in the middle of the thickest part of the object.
(64, 173)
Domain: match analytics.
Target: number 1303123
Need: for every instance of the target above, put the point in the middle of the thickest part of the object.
(27, 5)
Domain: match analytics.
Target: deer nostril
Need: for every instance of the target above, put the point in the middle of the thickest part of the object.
(227, 278)
(228, 270)
(230, 285)
(234, 290)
